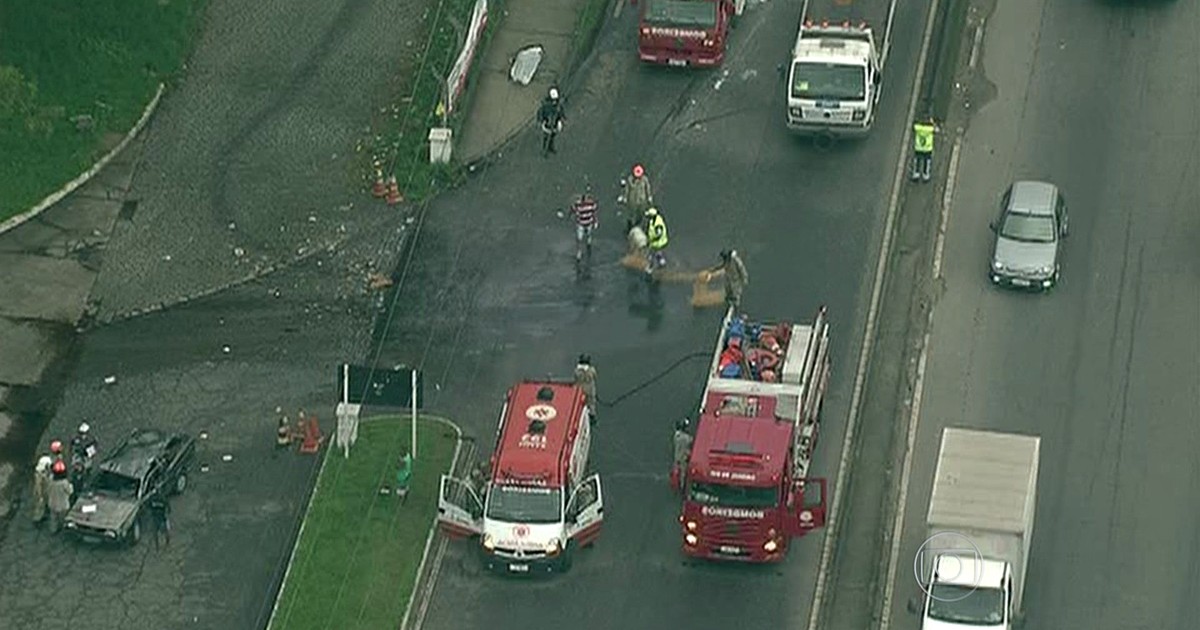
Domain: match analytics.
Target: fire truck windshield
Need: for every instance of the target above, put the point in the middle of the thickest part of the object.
(829, 82)
(520, 504)
(731, 496)
(701, 13)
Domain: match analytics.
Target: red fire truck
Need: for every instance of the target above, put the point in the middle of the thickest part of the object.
(746, 490)
(538, 503)
(685, 32)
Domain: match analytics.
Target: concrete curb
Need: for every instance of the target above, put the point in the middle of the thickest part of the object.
(74, 184)
(308, 508)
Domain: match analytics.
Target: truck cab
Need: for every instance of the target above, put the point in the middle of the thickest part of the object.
(539, 503)
(685, 32)
(740, 502)
(746, 485)
(834, 79)
(966, 592)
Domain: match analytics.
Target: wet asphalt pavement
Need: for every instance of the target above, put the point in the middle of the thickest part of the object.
(491, 296)
(1104, 368)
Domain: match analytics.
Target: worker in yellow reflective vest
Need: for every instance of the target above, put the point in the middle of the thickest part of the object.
(656, 240)
(924, 131)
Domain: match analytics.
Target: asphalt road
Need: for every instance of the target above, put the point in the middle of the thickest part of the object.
(259, 134)
(1098, 97)
(491, 296)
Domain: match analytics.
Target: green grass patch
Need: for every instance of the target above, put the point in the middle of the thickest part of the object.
(356, 561)
(400, 140)
(586, 29)
(62, 59)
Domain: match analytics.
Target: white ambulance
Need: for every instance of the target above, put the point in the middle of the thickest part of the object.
(539, 504)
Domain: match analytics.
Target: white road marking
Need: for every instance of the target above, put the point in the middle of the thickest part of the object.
(617, 9)
(975, 44)
(872, 316)
(889, 588)
(947, 199)
(433, 575)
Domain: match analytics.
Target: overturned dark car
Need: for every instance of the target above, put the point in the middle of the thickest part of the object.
(147, 462)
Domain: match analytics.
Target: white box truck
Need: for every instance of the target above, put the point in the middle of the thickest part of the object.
(980, 524)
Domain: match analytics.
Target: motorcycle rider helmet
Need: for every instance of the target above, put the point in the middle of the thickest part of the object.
(84, 428)
(638, 170)
(651, 213)
(554, 94)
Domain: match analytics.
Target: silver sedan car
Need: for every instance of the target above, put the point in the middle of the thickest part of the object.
(1027, 251)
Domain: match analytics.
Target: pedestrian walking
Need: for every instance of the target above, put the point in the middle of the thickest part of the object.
(924, 131)
(585, 378)
(733, 270)
(636, 193)
(584, 210)
(41, 485)
(551, 116)
(160, 511)
(58, 495)
(681, 443)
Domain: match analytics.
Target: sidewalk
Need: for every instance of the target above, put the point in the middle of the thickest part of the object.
(501, 107)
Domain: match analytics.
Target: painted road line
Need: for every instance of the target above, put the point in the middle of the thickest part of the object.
(914, 417)
(869, 329)
(975, 44)
(947, 199)
(617, 9)
(889, 586)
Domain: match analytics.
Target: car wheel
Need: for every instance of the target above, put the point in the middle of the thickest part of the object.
(181, 483)
(135, 532)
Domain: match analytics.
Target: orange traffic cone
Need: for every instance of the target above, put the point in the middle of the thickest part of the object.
(379, 190)
(393, 192)
(312, 436)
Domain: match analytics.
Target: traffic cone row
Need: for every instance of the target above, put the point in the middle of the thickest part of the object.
(393, 192)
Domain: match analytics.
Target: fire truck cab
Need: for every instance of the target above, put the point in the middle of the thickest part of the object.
(538, 504)
(685, 32)
(746, 490)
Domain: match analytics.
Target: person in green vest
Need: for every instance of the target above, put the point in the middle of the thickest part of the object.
(656, 237)
(403, 473)
(924, 131)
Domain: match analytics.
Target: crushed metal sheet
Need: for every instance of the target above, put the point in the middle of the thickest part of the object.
(525, 64)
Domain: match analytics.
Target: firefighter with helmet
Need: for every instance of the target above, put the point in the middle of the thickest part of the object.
(656, 239)
(551, 116)
(585, 378)
(58, 495)
(636, 193)
(681, 444)
(83, 454)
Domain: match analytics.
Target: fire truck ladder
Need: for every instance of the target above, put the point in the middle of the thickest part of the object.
(811, 376)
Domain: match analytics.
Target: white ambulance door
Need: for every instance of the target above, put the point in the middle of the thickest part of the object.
(460, 512)
(585, 512)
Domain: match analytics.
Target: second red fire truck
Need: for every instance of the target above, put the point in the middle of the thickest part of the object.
(685, 32)
(747, 489)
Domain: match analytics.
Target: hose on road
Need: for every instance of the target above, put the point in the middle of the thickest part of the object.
(654, 379)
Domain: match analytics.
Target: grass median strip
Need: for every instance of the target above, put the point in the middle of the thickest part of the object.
(74, 79)
(357, 557)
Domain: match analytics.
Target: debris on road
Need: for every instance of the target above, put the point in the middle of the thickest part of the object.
(378, 281)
